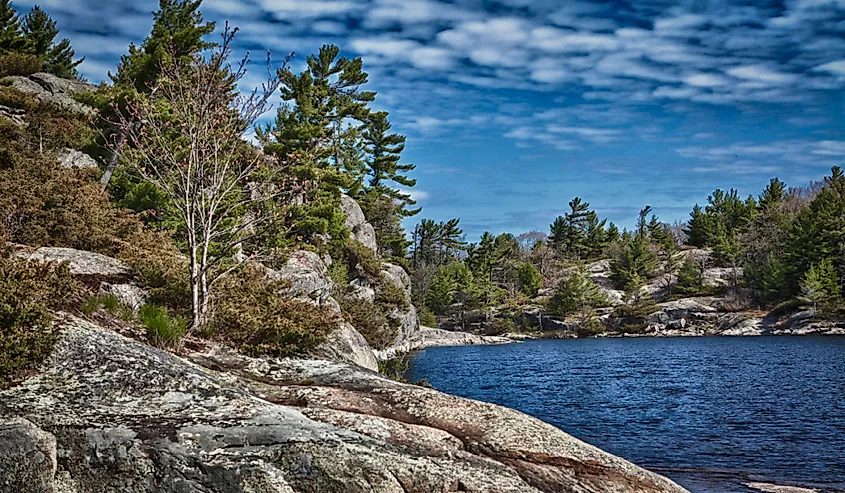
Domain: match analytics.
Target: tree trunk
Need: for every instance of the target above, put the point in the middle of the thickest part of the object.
(115, 158)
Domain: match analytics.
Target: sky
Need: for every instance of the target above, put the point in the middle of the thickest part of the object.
(513, 107)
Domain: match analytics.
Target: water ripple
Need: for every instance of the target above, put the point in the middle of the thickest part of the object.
(710, 413)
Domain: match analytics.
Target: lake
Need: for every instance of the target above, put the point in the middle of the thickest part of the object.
(709, 413)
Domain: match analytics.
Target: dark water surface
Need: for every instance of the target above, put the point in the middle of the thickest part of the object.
(710, 413)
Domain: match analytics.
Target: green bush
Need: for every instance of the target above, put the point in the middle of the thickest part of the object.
(390, 295)
(427, 317)
(369, 320)
(395, 368)
(29, 294)
(163, 330)
(529, 279)
(251, 315)
(576, 292)
(361, 259)
(590, 326)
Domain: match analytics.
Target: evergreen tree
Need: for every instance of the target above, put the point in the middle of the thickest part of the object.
(766, 277)
(529, 279)
(820, 287)
(612, 234)
(819, 231)
(178, 31)
(773, 195)
(326, 103)
(636, 262)
(39, 34)
(576, 221)
(384, 151)
(596, 237)
(558, 233)
(576, 292)
(434, 243)
(690, 277)
(662, 235)
(699, 229)
(384, 205)
(11, 32)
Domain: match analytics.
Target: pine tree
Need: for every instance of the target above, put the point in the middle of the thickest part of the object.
(11, 31)
(636, 262)
(558, 233)
(326, 103)
(178, 31)
(819, 231)
(820, 287)
(662, 235)
(576, 220)
(612, 233)
(576, 292)
(40, 31)
(699, 229)
(596, 237)
(690, 277)
(384, 151)
(773, 195)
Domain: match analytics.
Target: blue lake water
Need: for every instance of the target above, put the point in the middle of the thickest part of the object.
(709, 413)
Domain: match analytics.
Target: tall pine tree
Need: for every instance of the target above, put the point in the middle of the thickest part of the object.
(178, 32)
(40, 31)
(11, 32)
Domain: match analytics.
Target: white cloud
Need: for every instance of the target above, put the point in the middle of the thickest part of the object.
(761, 74)
(706, 80)
(836, 67)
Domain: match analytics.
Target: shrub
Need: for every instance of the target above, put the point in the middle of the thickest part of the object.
(590, 325)
(162, 270)
(369, 320)
(529, 279)
(163, 330)
(427, 317)
(362, 259)
(13, 98)
(395, 368)
(390, 295)
(15, 63)
(576, 292)
(29, 294)
(251, 315)
(42, 205)
(339, 274)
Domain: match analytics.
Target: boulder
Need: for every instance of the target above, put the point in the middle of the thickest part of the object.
(407, 320)
(27, 457)
(722, 276)
(360, 289)
(309, 279)
(73, 159)
(129, 417)
(357, 223)
(687, 308)
(397, 275)
(52, 89)
(17, 115)
(347, 344)
(427, 337)
(740, 324)
(128, 294)
(82, 263)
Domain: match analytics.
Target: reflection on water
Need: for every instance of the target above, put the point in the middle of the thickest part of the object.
(710, 413)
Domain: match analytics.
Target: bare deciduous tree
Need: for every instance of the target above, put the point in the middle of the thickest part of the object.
(190, 143)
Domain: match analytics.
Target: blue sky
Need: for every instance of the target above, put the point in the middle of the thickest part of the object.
(513, 107)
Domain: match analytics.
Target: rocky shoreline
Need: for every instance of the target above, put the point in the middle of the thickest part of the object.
(107, 413)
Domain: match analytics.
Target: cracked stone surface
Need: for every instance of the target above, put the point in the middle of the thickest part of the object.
(110, 414)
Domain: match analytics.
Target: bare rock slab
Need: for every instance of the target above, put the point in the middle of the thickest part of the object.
(128, 417)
